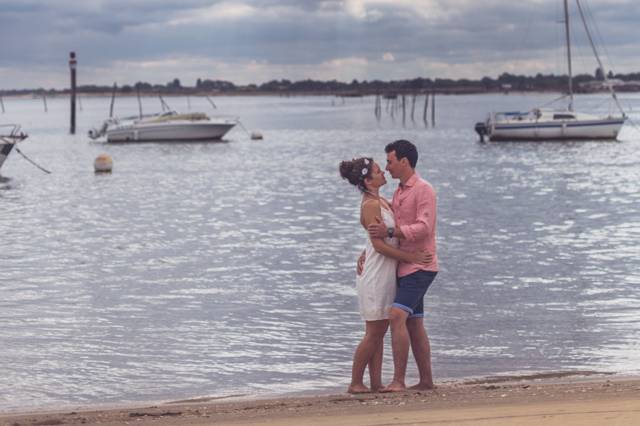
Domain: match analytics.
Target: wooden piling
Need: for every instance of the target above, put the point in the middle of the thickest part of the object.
(433, 108)
(2, 104)
(413, 106)
(113, 99)
(139, 102)
(72, 68)
(44, 100)
(404, 110)
(426, 107)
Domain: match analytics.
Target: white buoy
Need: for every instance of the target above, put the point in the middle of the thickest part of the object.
(103, 163)
(256, 136)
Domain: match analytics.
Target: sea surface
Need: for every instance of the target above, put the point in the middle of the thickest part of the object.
(217, 269)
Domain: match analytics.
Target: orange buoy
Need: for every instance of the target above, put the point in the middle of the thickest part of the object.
(103, 163)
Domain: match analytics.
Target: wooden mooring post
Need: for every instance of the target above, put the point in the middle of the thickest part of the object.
(404, 110)
(113, 99)
(2, 104)
(426, 108)
(413, 106)
(378, 107)
(73, 63)
(139, 102)
(433, 108)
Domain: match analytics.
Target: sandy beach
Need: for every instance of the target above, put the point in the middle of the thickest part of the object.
(535, 400)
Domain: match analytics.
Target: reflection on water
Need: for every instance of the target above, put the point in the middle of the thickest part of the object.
(214, 269)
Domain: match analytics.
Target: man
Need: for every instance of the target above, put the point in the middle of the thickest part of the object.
(414, 207)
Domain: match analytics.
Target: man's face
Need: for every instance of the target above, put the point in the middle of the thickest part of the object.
(394, 167)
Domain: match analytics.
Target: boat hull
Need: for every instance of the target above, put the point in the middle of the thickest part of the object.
(169, 132)
(582, 130)
(5, 149)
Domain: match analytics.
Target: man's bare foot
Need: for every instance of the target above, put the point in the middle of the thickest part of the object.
(423, 386)
(394, 387)
(359, 388)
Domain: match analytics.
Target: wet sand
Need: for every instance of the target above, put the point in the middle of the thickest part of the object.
(535, 400)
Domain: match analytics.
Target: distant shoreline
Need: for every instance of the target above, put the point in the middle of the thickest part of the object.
(65, 94)
(504, 83)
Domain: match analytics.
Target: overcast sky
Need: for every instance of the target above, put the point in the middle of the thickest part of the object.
(254, 41)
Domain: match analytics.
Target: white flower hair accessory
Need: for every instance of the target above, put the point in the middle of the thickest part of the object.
(366, 169)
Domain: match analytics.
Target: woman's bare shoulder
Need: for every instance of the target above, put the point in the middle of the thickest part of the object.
(370, 203)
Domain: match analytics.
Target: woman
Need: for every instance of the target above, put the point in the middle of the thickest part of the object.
(376, 286)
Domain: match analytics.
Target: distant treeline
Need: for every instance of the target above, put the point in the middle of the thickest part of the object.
(504, 82)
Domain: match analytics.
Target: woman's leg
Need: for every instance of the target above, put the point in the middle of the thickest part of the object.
(365, 354)
(377, 330)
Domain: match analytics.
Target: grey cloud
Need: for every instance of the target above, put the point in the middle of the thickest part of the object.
(304, 32)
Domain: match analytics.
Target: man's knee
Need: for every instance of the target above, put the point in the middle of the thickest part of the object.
(397, 316)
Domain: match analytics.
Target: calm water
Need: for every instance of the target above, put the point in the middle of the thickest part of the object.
(218, 269)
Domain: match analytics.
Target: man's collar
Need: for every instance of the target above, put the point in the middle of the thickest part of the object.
(411, 181)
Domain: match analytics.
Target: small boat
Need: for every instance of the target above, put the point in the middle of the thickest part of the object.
(542, 124)
(165, 127)
(10, 134)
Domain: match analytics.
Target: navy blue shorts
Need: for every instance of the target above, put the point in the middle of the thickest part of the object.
(410, 292)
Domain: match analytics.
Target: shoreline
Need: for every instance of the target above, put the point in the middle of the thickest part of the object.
(525, 397)
(37, 95)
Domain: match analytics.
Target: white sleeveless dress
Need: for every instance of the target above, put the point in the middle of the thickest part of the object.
(376, 286)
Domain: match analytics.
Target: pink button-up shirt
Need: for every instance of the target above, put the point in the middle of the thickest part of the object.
(414, 208)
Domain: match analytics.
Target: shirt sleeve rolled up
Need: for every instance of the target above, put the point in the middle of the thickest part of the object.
(421, 229)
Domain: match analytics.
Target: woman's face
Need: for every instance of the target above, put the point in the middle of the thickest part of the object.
(376, 179)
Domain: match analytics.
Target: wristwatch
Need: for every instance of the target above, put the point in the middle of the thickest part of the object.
(390, 232)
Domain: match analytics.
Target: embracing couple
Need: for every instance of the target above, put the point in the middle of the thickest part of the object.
(396, 268)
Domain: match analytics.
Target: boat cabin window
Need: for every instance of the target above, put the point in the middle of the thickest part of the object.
(564, 117)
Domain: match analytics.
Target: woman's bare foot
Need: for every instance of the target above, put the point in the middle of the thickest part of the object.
(358, 388)
(423, 386)
(394, 387)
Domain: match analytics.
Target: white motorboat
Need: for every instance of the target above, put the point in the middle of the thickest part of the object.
(543, 124)
(10, 134)
(165, 127)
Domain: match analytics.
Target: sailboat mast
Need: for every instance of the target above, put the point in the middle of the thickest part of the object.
(595, 53)
(568, 34)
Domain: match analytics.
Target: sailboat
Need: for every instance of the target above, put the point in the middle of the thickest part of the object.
(543, 124)
(10, 134)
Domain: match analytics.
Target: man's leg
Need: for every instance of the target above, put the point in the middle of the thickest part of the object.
(400, 347)
(418, 335)
(421, 352)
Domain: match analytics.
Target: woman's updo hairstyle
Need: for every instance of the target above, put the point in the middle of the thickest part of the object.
(356, 171)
